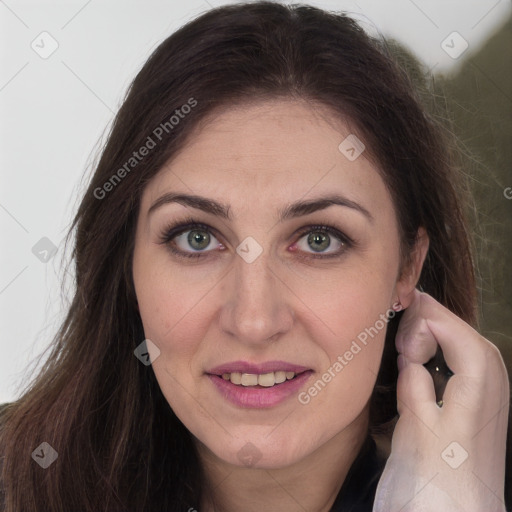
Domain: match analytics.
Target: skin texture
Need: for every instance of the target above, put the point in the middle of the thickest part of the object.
(285, 305)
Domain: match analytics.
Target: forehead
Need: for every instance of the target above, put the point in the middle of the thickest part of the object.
(268, 154)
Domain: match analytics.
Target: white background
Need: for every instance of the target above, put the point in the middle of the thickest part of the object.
(54, 111)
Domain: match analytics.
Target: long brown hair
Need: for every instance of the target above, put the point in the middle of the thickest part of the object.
(120, 445)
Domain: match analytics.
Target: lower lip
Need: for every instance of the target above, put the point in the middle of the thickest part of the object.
(259, 398)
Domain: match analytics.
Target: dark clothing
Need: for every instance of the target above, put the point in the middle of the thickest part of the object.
(358, 490)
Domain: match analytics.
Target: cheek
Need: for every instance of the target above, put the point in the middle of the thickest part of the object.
(350, 300)
(352, 348)
(172, 309)
(351, 360)
(173, 315)
(351, 312)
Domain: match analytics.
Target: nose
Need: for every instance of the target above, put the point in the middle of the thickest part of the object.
(256, 306)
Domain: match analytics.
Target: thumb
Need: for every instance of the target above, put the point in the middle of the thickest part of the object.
(415, 389)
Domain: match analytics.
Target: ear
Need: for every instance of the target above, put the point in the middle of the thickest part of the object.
(406, 283)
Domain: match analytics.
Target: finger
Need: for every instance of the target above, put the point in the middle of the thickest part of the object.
(414, 338)
(415, 389)
(465, 350)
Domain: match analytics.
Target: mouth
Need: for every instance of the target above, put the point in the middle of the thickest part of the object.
(259, 386)
(262, 380)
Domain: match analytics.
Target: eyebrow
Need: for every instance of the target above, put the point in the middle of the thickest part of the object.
(291, 211)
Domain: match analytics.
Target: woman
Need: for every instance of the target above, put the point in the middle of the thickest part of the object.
(249, 259)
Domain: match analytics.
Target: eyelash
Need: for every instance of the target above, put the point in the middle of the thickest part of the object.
(188, 224)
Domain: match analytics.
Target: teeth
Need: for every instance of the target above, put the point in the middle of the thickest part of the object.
(266, 380)
(280, 377)
(249, 379)
(236, 378)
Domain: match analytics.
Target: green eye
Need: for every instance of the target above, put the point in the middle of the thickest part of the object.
(197, 236)
(320, 238)
(319, 242)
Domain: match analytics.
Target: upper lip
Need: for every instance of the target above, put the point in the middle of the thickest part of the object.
(257, 368)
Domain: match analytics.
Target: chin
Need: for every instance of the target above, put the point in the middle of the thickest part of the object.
(261, 452)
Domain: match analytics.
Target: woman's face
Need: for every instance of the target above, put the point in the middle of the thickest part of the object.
(264, 291)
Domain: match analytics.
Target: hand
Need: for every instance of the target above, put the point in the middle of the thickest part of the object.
(449, 458)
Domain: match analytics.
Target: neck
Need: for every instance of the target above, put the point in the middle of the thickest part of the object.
(311, 483)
